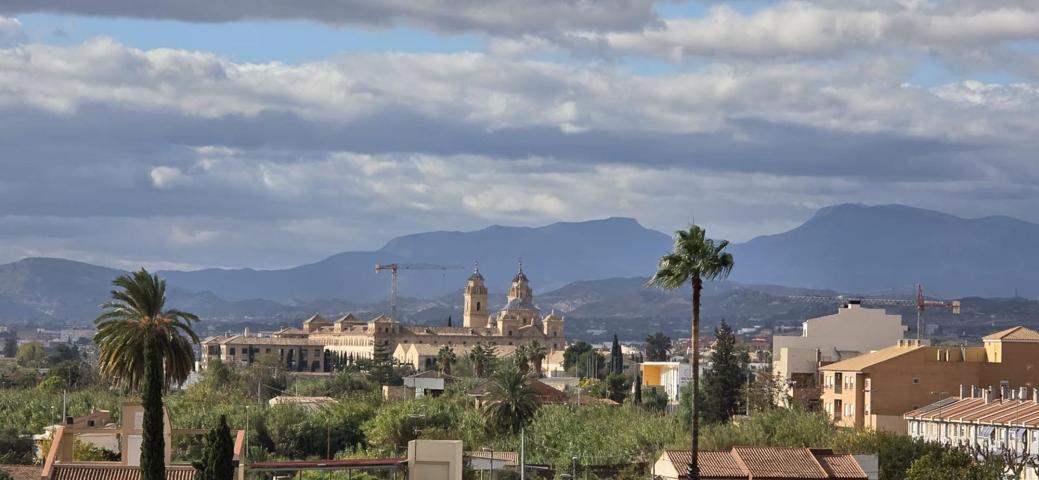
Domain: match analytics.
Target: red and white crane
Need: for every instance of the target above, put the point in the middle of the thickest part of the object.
(920, 302)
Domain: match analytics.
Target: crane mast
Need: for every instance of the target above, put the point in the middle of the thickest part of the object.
(393, 268)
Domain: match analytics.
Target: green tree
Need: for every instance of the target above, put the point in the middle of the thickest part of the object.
(480, 360)
(617, 386)
(573, 352)
(694, 258)
(31, 354)
(10, 346)
(15, 449)
(724, 384)
(511, 402)
(446, 357)
(521, 359)
(654, 400)
(637, 396)
(616, 357)
(64, 352)
(590, 364)
(220, 452)
(658, 347)
(143, 346)
(536, 353)
(953, 463)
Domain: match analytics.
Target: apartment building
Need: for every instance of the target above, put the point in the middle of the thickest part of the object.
(1004, 422)
(875, 390)
(669, 377)
(850, 332)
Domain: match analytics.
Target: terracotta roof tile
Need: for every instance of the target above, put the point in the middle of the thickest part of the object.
(1014, 334)
(115, 472)
(780, 463)
(843, 467)
(770, 463)
(870, 359)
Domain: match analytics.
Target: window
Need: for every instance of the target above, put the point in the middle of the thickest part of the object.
(231, 352)
(916, 380)
(477, 306)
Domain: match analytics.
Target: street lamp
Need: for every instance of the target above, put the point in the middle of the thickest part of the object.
(573, 464)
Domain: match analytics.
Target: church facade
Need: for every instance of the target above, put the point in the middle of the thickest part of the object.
(519, 323)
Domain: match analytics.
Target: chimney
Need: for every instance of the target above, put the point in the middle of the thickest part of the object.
(1003, 392)
(987, 395)
(1022, 393)
(963, 390)
(1035, 395)
(973, 391)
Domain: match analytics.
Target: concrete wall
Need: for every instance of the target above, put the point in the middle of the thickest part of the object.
(435, 460)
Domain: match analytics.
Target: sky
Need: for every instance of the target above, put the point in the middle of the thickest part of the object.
(196, 134)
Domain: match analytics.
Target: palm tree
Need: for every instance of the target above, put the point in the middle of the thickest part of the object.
(521, 359)
(536, 353)
(658, 347)
(445, 358)
(511, 401)
(145, 348)
(695, 258)
(479, 359)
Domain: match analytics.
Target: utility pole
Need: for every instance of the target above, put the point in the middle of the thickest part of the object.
(523, 458)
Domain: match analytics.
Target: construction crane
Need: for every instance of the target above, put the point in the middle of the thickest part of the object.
(394, 267)
(919, 302)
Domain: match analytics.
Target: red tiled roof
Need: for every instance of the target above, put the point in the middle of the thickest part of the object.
(770, 463)
(23, 472)
(115, 472)
(975, 410)
(840, 466)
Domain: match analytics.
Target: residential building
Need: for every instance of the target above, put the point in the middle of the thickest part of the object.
(850, 332)
(875, 390)
(774, 463)
(322, 343)
(60, 463)
(669, 377)
(1004, 422)
(427, 384)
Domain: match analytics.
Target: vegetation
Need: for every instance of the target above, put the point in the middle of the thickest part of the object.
(695, 258)
(511, 402)
(143, 345)
(724, 385)
(15, 449)
(658, 347)
(616, 357)
(218, 454)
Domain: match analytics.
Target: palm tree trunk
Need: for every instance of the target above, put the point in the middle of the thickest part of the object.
(694, 407)
(153, 444)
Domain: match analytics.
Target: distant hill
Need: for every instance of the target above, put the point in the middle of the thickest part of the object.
(553, 256)
(589, 270)
(889, 248)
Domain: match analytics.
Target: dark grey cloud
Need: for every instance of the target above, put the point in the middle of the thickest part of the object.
(500, 17)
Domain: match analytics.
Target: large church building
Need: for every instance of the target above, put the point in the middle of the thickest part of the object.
(310, 349)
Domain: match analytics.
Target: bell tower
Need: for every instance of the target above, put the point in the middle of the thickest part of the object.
(475, 311)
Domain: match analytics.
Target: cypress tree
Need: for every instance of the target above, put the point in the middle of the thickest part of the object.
(153, 444)
(616, 358)
(723, 383)
(220, 454)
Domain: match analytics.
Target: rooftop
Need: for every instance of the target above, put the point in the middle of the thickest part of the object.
(770, 463)
(1015, 334)
(115, 472)
(1020, 413)
(873, 358)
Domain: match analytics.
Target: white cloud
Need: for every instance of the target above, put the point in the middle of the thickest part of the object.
(11, 32)
(167, 177)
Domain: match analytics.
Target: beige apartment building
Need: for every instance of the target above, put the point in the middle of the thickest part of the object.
(850, 332)
(313, 347)
(875, 390)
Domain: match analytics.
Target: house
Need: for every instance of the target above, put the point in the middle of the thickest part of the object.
(669, 377)
(546, 394)
(852, 331)
(767, 463)
(1004, 421)
(429, 383)
(875, 390)
(60, 463)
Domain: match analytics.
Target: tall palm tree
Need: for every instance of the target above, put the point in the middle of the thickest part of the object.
(511, 401)
(695, 258)
(145, 348)
(658, 347)
(479, 359)
(445, 359)
(536, 353)
(521, 359)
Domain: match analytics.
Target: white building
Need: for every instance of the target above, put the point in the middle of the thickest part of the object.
(667, 376)
(850, 332)
(998, 422)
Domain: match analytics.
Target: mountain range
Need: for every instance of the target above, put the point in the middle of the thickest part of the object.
(591, 269)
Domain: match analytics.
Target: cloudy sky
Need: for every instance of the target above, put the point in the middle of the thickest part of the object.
(243, 133)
